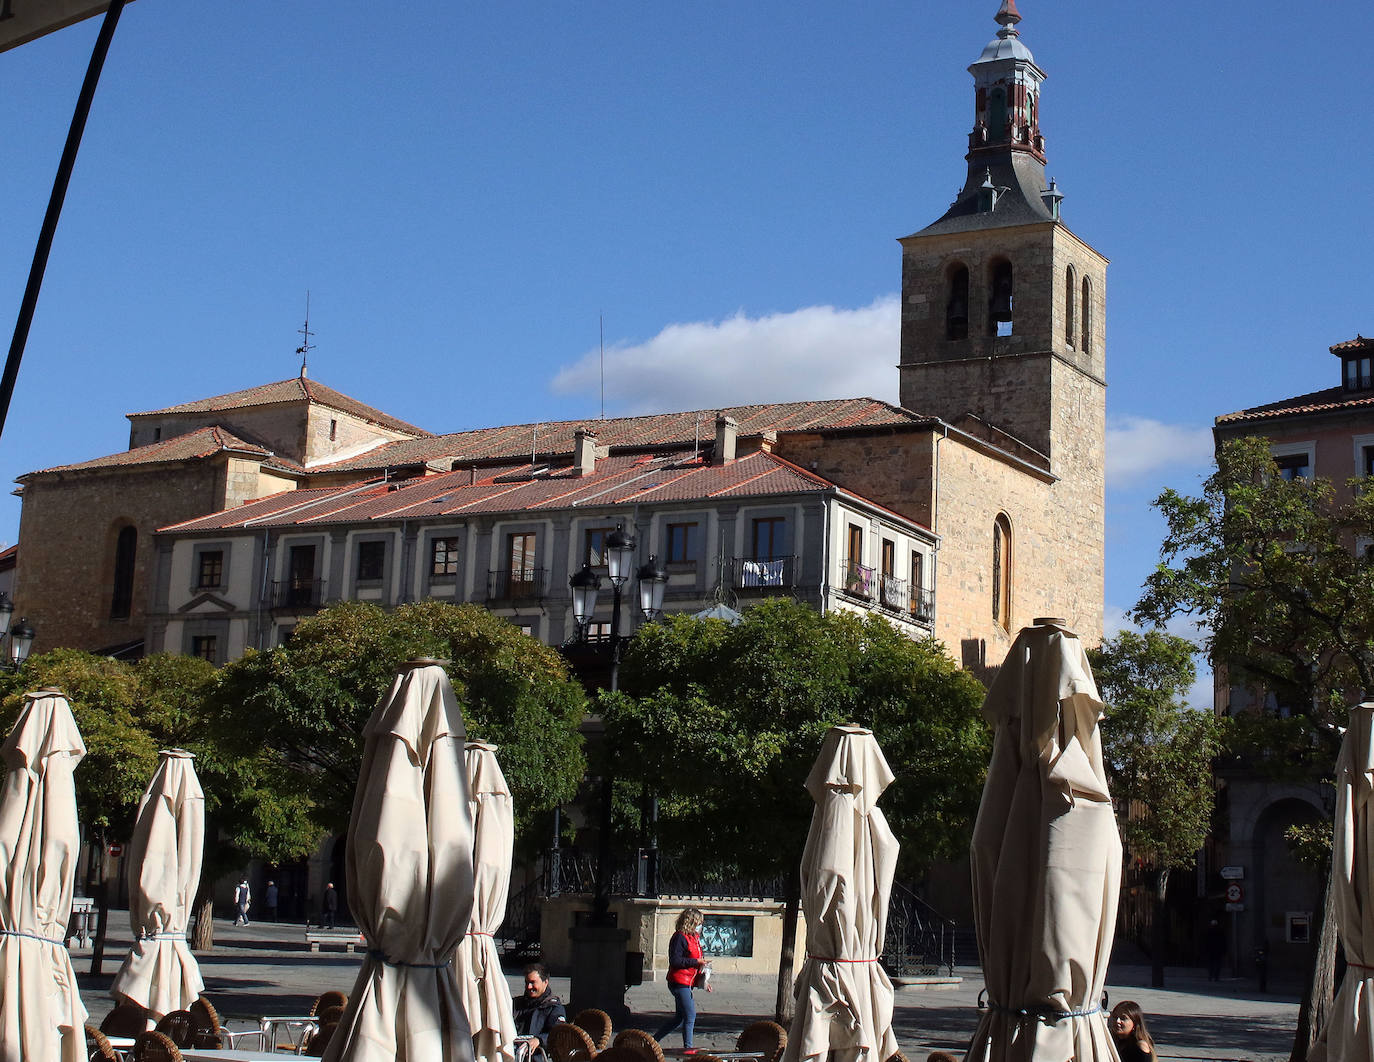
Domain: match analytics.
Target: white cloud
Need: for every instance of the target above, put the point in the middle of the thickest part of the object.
(1139, 446)
(814, 352)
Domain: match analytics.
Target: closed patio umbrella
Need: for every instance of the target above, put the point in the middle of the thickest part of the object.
(844, 997)
(409, 877)
(160, 973)
(486, 997)
(1349, 1032)
(41, 1013)
(1046, 859)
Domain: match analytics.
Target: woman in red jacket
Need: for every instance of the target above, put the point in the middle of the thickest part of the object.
(684, 962)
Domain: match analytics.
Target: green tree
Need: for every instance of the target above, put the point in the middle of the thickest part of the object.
(1159, 756)
(724, 723)
(1270, 569)
(305, 704)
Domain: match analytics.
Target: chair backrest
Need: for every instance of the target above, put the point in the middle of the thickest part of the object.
(330, 1014)
(177, 1025)
(314, 1047)
(570, 1043)
(127, 1019)
(597, 1023)
(332, 998)
(205, 1026)
(767, 1037)
(640, 1041)
(154, 1047)
(98, 1046)
(622, 1054)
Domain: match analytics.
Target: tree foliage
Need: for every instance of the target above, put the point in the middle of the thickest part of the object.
(725, 722)
(308, 702)
(1158, 751)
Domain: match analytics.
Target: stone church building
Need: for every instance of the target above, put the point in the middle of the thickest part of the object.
(967, 511)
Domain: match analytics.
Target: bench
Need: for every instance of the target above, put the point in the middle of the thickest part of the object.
(349, 938)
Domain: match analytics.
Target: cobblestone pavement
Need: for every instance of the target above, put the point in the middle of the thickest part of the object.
(267, 969)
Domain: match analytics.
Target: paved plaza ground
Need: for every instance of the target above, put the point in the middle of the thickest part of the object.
(267, 969)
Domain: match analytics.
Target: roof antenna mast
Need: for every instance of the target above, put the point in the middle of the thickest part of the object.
(601, 320)
(306, 346)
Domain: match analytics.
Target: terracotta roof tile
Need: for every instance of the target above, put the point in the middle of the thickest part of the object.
(298, 389)
(1358, 343)
(1327, 401)
(203, 442)
(652, 430)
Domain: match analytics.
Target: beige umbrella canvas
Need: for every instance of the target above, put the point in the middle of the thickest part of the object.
(844, 997)
(1349, 1032)
(410, 877)
(41, 1013)
(486, 996)
(1046, 859)
(160, 973)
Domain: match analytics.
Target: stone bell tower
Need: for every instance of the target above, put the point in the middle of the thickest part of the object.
(1003, 312)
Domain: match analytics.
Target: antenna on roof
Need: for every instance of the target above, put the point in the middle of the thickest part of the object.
(601, 320)
(306, 346)
(534, 444)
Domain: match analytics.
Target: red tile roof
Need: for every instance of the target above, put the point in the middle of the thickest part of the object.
(1328, 401)
(517, 441)
(201, 443)
(298, 389)
(1351, 345)
(617, 480)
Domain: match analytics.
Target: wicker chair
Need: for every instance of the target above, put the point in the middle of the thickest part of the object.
(98, 1046)
(325, 1000)
(178, 1026)
(206, 1031)
(768, 1038)
(570, 1043)
(127, 1019)
(154, 1047)
(640, 1041)
(898, 1057)
(621, 1054)
(329, 1014)
(597, 1024)
(314, 1047)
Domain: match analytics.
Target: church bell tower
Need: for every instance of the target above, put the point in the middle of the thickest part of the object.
(1002, 305)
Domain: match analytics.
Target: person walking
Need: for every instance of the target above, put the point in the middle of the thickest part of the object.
(243, 898)
(1214, 948)
(686, 968)
(1127, 1026)
(331, 906)
(269, 899)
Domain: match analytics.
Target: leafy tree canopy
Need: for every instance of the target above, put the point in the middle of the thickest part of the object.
(725, 722)
(308, 702)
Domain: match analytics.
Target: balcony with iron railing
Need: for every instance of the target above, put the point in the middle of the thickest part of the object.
(756, 576)
(297, 595)
(857, 580)
(516, 586)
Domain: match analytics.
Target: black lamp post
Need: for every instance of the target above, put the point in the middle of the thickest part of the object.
(20, 636)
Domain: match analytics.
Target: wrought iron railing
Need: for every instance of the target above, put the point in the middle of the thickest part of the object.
(922, 606)
(920, 940)
(522, 584)
(893, 593)
(755, 576)
(857, 580)
(298, 594)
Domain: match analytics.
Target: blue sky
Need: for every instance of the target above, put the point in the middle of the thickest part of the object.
(464, 188)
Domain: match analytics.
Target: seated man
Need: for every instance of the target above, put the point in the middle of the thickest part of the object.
(536, 1011)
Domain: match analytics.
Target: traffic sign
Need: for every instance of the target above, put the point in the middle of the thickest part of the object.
(1234, 892)
(116, 849)
(1235, 906)
(1233, 873)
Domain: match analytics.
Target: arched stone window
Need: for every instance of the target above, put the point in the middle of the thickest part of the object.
(956, 309)
(126, 552)
(1070, 301)
(1001, 298)
(1087, 315)
(1001, 571)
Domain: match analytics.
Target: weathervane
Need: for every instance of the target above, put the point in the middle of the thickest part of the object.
(306, 346)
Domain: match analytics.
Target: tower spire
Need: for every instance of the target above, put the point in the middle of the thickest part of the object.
(1007, 17)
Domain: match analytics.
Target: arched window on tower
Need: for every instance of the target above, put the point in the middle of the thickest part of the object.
(956, 309)
(1087, 315)
(1001, 571)
(126, 552)
(1000, 302)
(1070, 301)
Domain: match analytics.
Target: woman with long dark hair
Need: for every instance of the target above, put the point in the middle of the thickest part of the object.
(1127, 1025)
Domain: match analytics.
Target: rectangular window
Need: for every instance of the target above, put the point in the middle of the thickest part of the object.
(1359, 374)
(210, 570)
(521, 555)
(599, 631)
(1367, 460)
(918, 570)
(205, 646)
(856, 544)
(728, 935)
(594, 546)
(769, 534)
(443, 556)
(333, 430)
(889, 557)
(1294, 466)
(371, 561)
(682, 543)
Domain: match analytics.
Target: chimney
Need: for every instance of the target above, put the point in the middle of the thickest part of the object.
(584, 453)
(727, 430)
